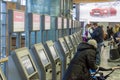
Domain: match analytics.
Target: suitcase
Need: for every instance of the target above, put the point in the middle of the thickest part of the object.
(119, 49)
(114, 54)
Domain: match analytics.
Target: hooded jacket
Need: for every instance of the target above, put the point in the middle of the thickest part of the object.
(98, 34)
(83, 61)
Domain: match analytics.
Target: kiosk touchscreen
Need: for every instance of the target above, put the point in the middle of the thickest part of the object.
(72, 39)
(79, 35)
(42, 61)
(24, 64)
(76, 38)
(43, 57)
(65, 51)
(52, 51)
(70, 46)
(2, 76)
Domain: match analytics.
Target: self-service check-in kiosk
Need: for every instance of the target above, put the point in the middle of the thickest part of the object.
(64, 54)
(74, 42)
(2, 76)
(76, 38)
(21, 66)
(79, 35)
(70, 46)
(55, 58)
(42, 61)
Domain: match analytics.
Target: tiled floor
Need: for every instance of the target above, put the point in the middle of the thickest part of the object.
(104, 63)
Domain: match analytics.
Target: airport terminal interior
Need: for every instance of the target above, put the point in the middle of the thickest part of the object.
(104, 62)
(39, 38)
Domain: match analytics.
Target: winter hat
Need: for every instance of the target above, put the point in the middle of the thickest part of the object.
(92, 42)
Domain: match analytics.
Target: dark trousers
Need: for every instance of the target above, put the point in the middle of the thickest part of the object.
(98, 60)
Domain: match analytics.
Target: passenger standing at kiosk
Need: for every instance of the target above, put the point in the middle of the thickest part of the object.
(83, 61)
(98, 36)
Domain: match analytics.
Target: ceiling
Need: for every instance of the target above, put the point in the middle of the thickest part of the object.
(89, 1)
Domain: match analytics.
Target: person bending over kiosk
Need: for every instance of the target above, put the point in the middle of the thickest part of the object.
(83, 61)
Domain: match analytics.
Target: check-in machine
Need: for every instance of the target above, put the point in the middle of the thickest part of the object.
(55, 58)
(42, 61)
(21, 66)
(2, 76)
(76, 38)
(64, 54)
(74, 42)
(70, 46)
(79, 35)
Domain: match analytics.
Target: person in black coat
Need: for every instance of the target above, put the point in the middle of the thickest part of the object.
(83, 61)
(99, 37)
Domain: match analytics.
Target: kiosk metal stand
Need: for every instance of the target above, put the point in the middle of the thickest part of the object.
(64, 53)
(70, 46)
(42, 61)
(55, 58)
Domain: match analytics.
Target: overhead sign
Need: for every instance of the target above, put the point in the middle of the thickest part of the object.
(17, 19)
(100, 12)
(59, 23)
(7, 0)
(65, 23)
(70, 23)
(34, 22)
(73, 24)
(47, 22)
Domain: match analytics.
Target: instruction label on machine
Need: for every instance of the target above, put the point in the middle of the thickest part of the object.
(47, 22)
(65, 23)
(59, 23)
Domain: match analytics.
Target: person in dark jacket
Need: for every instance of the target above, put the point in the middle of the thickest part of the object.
(83, 61)
(98, 36)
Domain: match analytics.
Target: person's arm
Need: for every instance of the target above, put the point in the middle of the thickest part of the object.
(108, 69)
(105, 69)
(91, 60)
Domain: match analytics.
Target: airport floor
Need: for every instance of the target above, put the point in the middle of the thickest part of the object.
(104, 63)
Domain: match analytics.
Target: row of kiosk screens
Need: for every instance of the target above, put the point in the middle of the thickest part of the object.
(21, 58)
